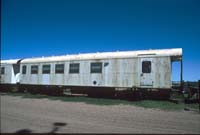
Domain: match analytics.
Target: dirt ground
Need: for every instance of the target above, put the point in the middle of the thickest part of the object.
(41, 115)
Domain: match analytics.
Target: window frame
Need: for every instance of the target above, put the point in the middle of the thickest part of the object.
(94, 65)
(57, 70)
(36, 70)
(146, 66)
(24, 69)
(16, 68)
(44, 71)
(3, 71)
(73, 69)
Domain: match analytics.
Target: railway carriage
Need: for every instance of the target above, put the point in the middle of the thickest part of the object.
(95, 73)
(10, 74)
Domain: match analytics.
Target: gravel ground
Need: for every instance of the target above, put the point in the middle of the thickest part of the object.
(40, 115)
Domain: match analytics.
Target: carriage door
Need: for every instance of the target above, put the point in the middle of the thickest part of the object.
(145, 72)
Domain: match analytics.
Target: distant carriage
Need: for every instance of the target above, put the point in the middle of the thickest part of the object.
(94, 73)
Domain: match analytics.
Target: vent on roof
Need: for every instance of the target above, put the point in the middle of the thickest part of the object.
(146, 54)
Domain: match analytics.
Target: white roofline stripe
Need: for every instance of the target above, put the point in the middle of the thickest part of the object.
(177, 52)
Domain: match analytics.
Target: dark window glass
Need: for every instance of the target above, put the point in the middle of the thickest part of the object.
(34, 69)
(96, 67)
(16, 68)
(24, 69)
(74, 68)
(59, 69)
(2, 70)
(46, 69)
(146, 67)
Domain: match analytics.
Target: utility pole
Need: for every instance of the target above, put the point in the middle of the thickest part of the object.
(199, 94)
(181, 76)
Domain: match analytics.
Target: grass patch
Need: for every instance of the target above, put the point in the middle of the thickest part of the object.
(88, 100)
(27, 95)
(193, 106)
(163, 105)
(166, 105)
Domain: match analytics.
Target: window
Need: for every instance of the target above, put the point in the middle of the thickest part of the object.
(146, 67)
(74, 68)
(2, 70)
(46, 69)
(34, 69)
(59, 69)
(24, 69)
(16, 68)
(96, 67)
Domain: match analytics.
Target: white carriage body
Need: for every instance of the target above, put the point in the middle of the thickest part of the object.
(119, 69)
(10, 75)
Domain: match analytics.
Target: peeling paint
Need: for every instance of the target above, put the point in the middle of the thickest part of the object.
(117, 71)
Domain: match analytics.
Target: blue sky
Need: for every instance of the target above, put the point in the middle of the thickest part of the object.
(34, 28)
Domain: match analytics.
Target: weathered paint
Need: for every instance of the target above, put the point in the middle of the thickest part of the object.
(146, 79)
(175, 53)
(123, 70)
(9, 77)
(116, 73)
